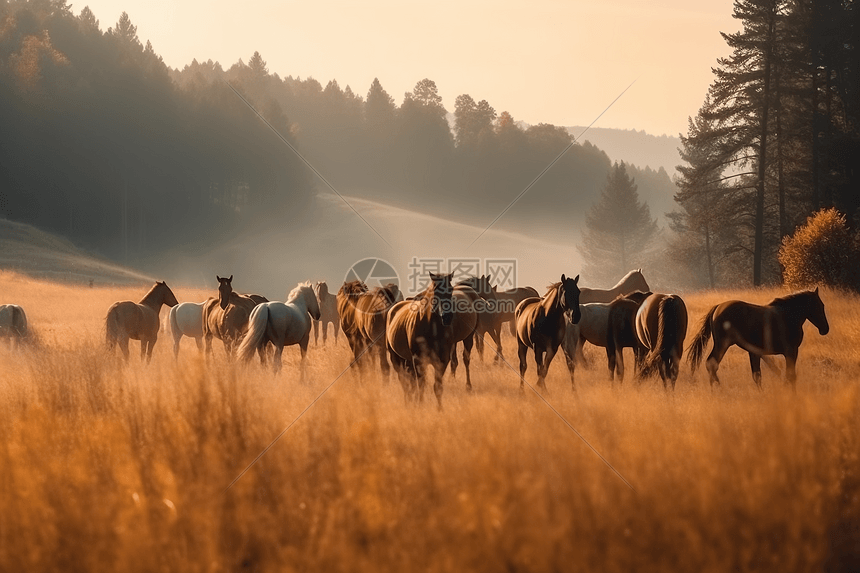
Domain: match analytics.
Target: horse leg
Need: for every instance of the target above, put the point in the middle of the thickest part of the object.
(540, 370)
(790, 368)
(325, 332)
(497, 338)
(571, 367)
(277, 359)
(336, 328)
(303, 364)
(316, 324)
(619, 363)
(547, 360)
(755, 366)
(714, 359)
(177, 336)
(123, 345)
(522, 351)
(454, 360)
(207, 338)
(580, 352)
(512, 325)
(420, 371)
(143, 342)
(467, 359)
(439, 372)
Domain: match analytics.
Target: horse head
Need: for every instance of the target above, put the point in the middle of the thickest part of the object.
(569, 298)
(225, 289)
(167, 295)
(816, 313)
(312, 301)
(443, 297)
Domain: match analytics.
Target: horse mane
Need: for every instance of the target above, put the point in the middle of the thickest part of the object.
(296, 292)
(790, 299)
(150, 292)
(353, 288)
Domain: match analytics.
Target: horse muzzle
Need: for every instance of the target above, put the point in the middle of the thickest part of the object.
(822, 330)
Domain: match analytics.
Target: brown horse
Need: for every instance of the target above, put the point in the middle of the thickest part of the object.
(226, 317)
(541, 326)
(418, 335)
(137, 320)
(776, 328)
(371, 311)
(661, 326)
(507, 304)
(489, 311)
(464, 325)
(13, 324)
(621, 332)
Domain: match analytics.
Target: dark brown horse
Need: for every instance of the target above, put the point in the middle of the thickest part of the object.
(507, 304)
(464, 326)
(776, 328)
(621, 332)
(541, 326)
(418, 336)
(661, 326)
(347, 297)
(137, 320)
(226, 317)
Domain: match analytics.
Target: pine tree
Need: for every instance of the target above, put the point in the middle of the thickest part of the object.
(619, 230)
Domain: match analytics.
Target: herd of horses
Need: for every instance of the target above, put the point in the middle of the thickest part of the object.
(414, 333)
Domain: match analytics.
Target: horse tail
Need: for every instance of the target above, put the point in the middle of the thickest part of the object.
(667, 335)
(257, 324)
(694, 357)
(111, 328)
(174, 322)
(19, 321)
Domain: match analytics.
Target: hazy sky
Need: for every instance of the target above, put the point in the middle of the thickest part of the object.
(559, 62)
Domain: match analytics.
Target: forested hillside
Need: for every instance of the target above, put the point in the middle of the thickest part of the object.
(105, 144)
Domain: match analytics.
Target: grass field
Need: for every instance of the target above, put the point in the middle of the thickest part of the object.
(106, 466)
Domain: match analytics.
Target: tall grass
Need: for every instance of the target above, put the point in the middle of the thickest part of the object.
(108, 466)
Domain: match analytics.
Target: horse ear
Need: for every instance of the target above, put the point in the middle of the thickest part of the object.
(231, 278)
(489, 278)
(816, 290)
(639, 270)
(562, 277)
(576, 280)
(218, 278)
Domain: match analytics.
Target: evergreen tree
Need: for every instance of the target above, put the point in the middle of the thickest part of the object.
(619, 230)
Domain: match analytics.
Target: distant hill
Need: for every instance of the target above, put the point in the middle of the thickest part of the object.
(27, 250)
(636, 147)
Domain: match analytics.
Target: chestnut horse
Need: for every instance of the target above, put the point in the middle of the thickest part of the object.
(137, 320)
(775, 328)
(541, 326)
(661, 326)
(419, 335)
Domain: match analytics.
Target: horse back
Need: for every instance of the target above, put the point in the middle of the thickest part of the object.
(136, 320)
(755, 328)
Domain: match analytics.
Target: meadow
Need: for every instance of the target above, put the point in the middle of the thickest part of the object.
(113, 466)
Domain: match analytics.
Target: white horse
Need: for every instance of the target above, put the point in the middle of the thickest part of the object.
(282, 324)
(632, 281)
(13, 323)
(186, 319)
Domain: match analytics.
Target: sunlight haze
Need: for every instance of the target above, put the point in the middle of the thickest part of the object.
(553, 62)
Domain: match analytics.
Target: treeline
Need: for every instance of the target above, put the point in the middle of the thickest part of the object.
(411, 156)
(100, 145)
(777, 138)
(102, 142)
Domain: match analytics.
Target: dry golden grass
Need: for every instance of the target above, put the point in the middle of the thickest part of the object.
(106, 466)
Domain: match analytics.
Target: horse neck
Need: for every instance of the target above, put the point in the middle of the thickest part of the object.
(153, 299)
(550, 303)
